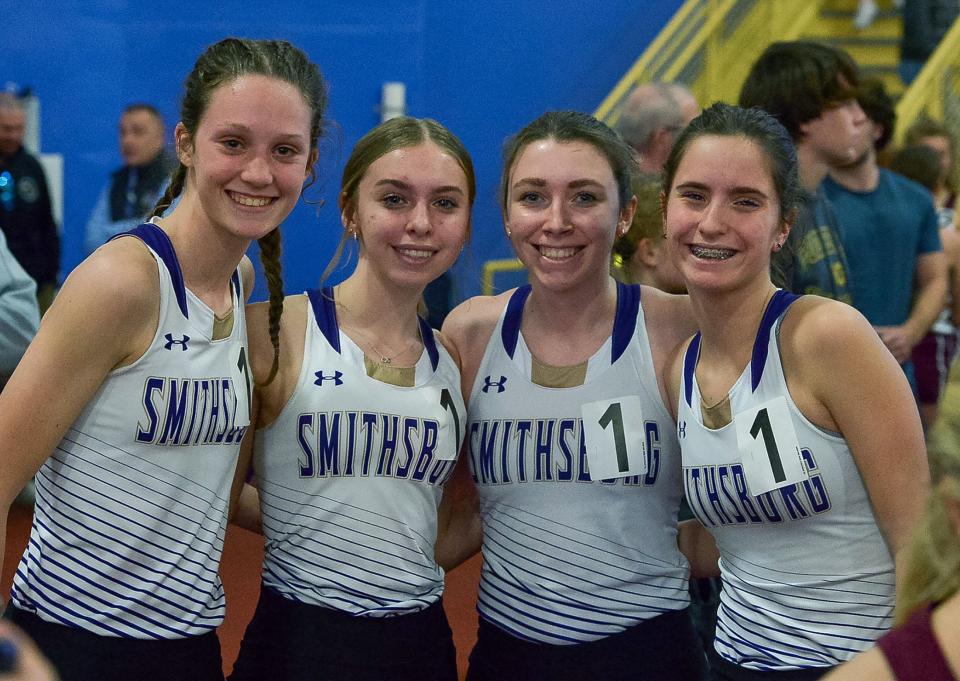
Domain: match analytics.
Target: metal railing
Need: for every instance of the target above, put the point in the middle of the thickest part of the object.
(936, 90)
(709, 45)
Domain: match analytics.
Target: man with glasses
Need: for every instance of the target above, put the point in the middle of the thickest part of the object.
(26, 218)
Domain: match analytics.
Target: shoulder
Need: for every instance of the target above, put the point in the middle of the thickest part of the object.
(116, 288)
(816, 327)
(669, 317)
(470, 324)
(292, 327)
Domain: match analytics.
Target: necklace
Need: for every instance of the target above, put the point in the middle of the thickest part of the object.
(384, 358)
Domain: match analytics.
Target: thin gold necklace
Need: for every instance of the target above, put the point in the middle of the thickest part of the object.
(384, 358)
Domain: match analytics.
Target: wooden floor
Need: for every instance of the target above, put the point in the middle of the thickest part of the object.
(241, 580)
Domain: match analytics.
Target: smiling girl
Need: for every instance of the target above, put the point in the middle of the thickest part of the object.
(571, 445)
(360, 430)
(802, 449)
(130, 404)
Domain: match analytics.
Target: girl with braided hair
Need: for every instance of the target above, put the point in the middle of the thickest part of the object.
(131, 402)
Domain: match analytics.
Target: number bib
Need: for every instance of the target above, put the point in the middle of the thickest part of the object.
(447, 438)
(240, 375)
(614, 434)
(768, 445)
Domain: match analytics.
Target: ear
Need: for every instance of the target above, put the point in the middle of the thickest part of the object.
(183, 144)
(626, 217)
(646, 253)
(347, 211)
(314, 155)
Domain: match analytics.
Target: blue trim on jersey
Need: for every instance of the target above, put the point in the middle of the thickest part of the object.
(625, 320)
(778, 304)
(429, 342)
(510, 332)
(235, 279)
(689, 366)
(158, 242)
(325, 312)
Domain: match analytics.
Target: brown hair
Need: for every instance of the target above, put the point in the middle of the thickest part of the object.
(224, 62)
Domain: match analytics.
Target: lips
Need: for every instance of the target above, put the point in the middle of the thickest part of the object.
(250, 201)
(712, 252)
(414, 253)
(557, 253)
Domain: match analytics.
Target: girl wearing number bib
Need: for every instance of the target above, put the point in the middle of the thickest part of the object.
(803, 454)
(360, 430)
(132, 400)
(570, 443)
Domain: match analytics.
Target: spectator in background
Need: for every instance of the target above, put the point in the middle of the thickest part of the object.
(811, 89)
(134, 188)
(935, 352)
(639, 256)
(652, 116)
(18, 312)
(891, 238)
(925, 22)
(935, 135)
(26, 218)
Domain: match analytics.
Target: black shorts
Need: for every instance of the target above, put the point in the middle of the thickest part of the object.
(722, 669)
(664, 648)
(291, 641)
(80, 655)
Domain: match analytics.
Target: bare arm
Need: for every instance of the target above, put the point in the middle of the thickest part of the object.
(104, 317)
(459, 529)
(698, 546)
(843, 379)
(670, 321)
(931, 292)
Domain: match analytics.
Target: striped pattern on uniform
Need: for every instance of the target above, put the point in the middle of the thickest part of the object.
(568, 559)
(349, 487)
(131, 506)
(807, 578)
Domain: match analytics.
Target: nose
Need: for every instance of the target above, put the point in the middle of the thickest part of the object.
(256, 172)
(859, 116)
(419, 220)
(712, 219)
(556, 219)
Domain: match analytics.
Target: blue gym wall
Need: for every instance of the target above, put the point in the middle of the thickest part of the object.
(482, 68)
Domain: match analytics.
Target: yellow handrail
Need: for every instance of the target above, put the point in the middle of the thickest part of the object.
(494, 267)
(928, 93)
(703, 27)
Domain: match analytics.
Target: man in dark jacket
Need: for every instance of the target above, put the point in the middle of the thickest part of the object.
(25, 215)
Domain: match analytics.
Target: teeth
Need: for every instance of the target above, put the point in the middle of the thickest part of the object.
(712, 253)
(412, 253)
(253, 201)
(557, 253)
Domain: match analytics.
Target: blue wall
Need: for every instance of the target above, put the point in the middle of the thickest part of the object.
(482, 68)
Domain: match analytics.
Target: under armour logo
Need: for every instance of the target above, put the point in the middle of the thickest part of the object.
(682, 429)
(336, 378)
(500, 385)
(171, 342)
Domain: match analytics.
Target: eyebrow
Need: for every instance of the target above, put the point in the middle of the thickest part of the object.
(230, 127)
(574, 184)
(403, 185)
(734, 190)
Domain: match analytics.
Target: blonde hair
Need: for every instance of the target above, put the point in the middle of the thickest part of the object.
(647, 224)
(933, 565)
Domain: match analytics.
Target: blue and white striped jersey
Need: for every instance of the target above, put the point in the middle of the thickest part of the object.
(350, 476)
(568, 559)
(132, 504)
(808, 580)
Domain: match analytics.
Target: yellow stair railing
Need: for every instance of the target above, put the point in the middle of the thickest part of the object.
(710, 45)
(936, 90)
